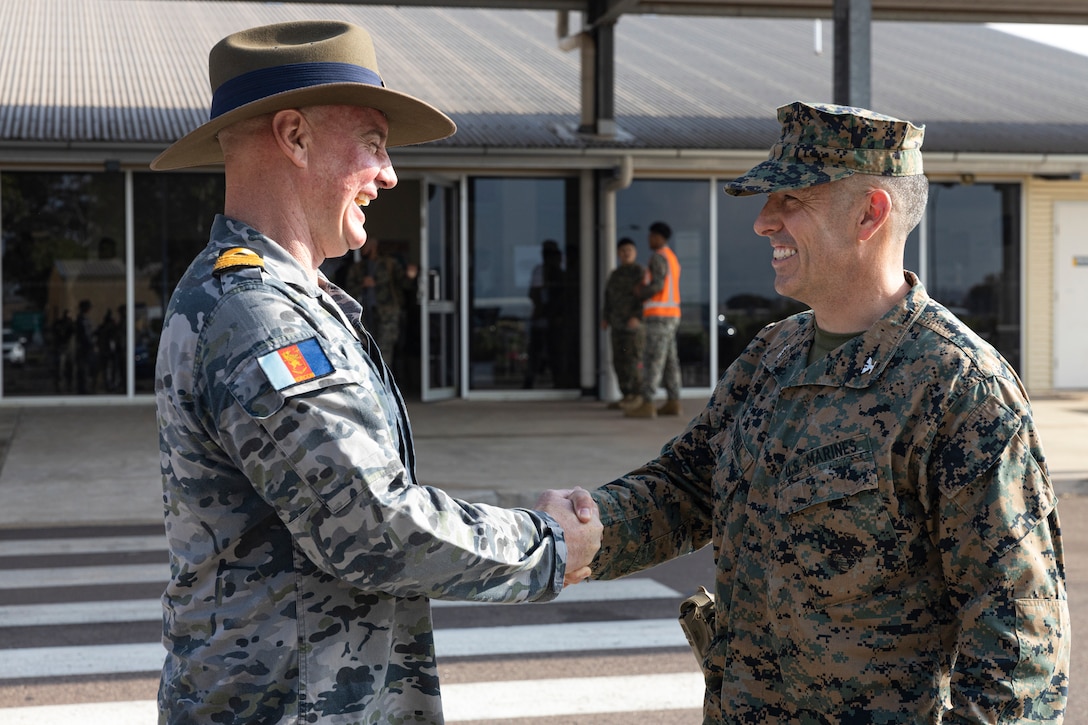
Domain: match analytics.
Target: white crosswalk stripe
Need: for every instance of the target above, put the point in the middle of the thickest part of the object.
(460, 642)
(462, 701)
(74, 576)
(81, 545)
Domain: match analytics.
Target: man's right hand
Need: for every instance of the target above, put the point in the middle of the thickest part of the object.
(577, 513)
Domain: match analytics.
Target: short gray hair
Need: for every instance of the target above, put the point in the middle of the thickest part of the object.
(909, 196)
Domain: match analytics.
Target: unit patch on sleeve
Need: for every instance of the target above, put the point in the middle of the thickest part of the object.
(295, 364)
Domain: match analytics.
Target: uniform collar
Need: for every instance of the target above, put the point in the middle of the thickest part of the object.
(278, 263)
(859, 362)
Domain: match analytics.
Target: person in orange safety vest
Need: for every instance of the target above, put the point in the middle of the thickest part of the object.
(661, 318)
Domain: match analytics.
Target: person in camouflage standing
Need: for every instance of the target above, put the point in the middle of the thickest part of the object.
(886, 534)
(380, 283)
(303, 551)
(660, 294)
(622, 312)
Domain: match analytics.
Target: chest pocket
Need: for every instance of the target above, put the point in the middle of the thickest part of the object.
(839, 527)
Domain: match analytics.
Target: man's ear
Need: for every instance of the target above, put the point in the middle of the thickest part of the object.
(877, 211)
(292, 133)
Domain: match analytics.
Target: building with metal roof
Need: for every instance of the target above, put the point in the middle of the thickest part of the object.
(90, 92)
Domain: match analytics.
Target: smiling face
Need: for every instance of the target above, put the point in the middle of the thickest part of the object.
(348, 165)
(813, 235)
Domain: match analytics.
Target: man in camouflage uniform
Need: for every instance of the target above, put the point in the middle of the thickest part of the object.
(660, 296)
(886, 535)
(303, 552)
(622, 312)
(380, 283)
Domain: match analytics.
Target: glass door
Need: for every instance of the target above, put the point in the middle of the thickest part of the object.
(440, 293)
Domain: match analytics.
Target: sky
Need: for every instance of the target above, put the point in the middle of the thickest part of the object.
(1069, 37)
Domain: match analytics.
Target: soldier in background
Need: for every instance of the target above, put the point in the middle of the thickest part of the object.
(546, 330)
(886, 533)
(85, 351)
(622, 312)
(64, 328)
(661, 312)
(381, 284)
(303, 551)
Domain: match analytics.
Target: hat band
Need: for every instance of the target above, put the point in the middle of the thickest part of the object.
(883, 162)
(265, 82)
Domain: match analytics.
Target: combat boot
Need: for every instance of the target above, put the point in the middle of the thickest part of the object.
(631, 401)
(645, 410)
(671, 407)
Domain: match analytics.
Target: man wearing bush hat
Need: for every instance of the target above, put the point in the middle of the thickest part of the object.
(886, 533)
(303, 551)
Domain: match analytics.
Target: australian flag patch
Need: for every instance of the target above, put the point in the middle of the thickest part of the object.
(295, 364)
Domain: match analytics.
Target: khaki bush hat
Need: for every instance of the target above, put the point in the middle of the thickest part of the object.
(296, 64)
(822, 142)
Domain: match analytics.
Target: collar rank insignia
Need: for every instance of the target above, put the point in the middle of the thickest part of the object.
(237, 257)
(868, 368)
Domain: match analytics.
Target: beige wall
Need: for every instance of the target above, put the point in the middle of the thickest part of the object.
(1040, 195)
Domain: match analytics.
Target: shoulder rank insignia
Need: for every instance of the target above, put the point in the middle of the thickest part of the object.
(237, 257)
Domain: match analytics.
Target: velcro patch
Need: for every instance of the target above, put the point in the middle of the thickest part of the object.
(295, 364)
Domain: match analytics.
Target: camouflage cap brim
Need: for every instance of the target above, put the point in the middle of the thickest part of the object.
(775, 175)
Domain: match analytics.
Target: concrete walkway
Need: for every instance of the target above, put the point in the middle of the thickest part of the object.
(73, 465)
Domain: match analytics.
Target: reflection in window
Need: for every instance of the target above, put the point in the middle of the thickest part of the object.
(64, 283)
(683, 205)
(173, 218)
(974, 259)
(524, 327)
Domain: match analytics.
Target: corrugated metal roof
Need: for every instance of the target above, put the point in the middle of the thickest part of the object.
(135, 72)
(967, 11)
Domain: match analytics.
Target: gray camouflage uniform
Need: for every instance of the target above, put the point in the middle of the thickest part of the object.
(303, 552)
(885, 531)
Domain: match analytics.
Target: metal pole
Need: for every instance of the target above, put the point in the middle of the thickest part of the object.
(853, 53)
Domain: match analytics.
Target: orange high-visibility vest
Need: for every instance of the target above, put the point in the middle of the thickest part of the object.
(666, 303)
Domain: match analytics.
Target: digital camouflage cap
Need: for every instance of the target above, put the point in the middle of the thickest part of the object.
(822, 142)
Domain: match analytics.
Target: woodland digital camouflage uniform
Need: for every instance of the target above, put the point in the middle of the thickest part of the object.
(385, 318)
(866, 512)
(302, 549)
(620, 305)
(885, 531)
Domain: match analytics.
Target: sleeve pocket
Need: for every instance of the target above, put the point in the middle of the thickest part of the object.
(1042, 632)
(312, 441)
(252, 387)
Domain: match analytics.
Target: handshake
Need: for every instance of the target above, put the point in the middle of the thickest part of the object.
(575, 510)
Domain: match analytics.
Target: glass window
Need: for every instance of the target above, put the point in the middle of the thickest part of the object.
(524, 284)
(64, 283)
(973, 259)
(685, 207)
(173, 218)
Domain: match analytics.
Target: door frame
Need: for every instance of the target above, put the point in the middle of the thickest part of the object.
(441, 295)
(1070, 262)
